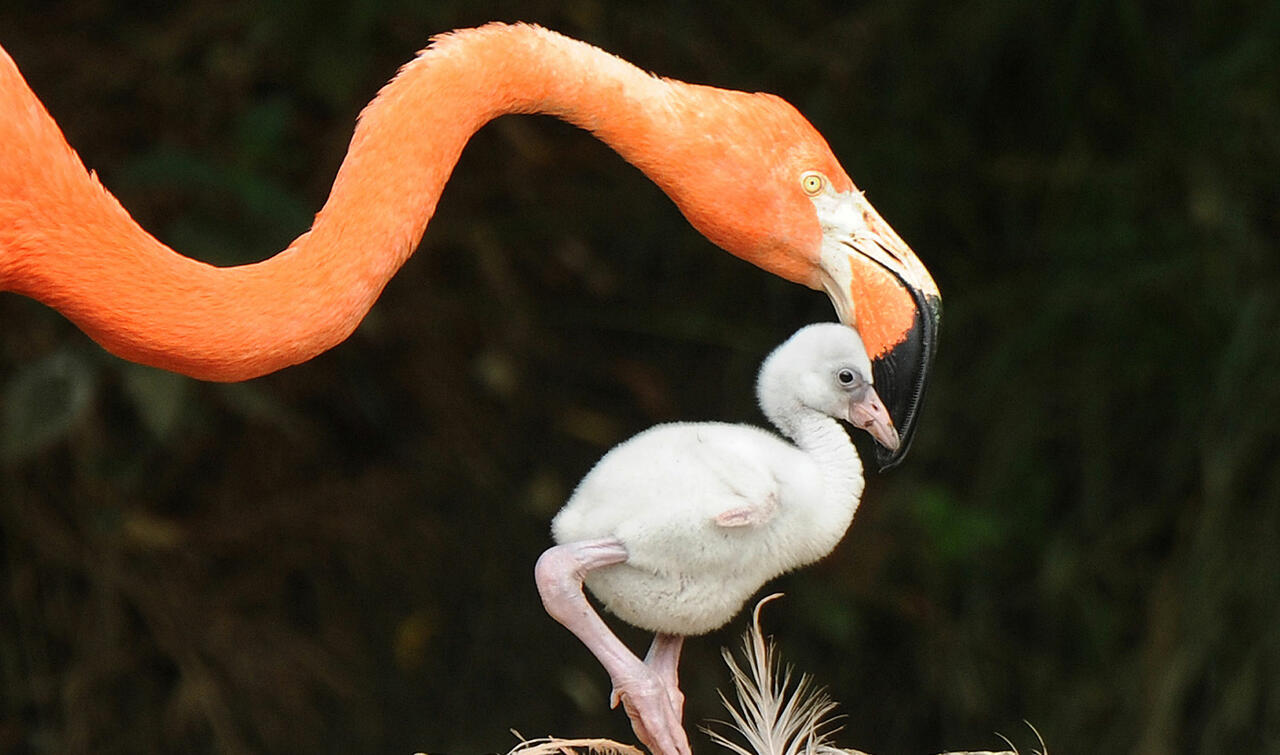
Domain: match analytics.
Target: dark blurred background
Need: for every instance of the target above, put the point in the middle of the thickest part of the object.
(338, 557)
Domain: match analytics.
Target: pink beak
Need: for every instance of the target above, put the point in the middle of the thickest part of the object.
(868, 413)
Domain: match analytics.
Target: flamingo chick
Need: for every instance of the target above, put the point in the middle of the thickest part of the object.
(674, 529)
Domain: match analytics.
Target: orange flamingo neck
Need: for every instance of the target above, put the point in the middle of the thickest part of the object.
(66, 241)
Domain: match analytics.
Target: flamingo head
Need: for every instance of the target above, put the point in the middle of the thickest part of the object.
(772, 193)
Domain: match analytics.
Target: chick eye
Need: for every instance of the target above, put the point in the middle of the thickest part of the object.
(846, 377)
(812, 183)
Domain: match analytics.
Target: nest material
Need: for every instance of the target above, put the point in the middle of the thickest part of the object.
(772, 715)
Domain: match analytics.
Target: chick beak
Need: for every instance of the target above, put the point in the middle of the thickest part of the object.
(869, 413)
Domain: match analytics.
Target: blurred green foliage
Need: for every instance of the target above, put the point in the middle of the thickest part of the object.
(337, 558)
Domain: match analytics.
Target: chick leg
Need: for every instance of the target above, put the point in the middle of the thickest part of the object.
(664, 659)
(643, 691)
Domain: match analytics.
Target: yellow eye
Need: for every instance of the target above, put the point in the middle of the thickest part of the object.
(812, 183)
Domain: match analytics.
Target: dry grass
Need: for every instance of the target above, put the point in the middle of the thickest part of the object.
(558, 746)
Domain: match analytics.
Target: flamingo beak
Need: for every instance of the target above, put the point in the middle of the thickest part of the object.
(869, 413)
(902, 374)
(881, 288)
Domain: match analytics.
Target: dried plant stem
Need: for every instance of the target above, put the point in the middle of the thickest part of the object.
(558, 746)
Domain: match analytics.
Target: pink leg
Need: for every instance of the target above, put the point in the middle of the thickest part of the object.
(664, 659)
(642, 690)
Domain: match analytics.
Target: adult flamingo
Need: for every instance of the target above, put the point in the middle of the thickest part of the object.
(747, 170)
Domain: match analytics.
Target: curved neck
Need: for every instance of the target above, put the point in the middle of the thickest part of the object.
(67, 242)
(825, 441)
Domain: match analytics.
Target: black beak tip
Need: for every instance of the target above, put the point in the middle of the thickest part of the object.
(902, 374)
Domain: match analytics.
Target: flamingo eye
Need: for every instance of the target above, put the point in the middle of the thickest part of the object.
(813, 183)
(846, 377)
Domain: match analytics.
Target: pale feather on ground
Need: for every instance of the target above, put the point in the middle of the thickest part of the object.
(775, 717)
